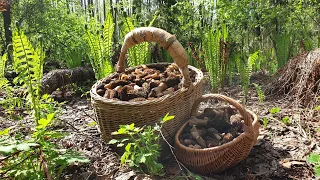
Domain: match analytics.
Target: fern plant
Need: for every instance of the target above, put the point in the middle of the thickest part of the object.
(5, 88)
(282, 46)
(140, 53)
(259, 92)
(211, 45)
(245, 72)
(9, 102)
(28, 63)
(101, 47)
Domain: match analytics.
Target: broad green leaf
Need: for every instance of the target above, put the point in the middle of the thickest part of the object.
(148, 154)
(317, 108)
(93, 123)
(5, 131)
(131, 127)
(198, 177)
(7, 149)
(125, 139)
(69, 158)
(26, 146)
(113, 141)
(131, 163)
(54, 134)
(124, 157)
(167, 118)
(314, 158)
(50, 116)
(81, 159)
(120, 145)
(274, 110)
(43, 123)
(143, 159)
(128, 147)
(317, 171)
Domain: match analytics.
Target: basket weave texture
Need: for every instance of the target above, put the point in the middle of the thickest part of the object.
(217, 159)
(112, 113)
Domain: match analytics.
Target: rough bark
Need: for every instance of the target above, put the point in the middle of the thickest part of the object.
(6, 22)
(61, 77)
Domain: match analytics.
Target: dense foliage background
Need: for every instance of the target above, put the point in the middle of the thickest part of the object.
(277, 29)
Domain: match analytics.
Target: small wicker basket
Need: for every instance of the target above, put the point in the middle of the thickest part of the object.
(217, 159)
(112, 113)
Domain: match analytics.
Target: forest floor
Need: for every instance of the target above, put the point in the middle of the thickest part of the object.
(280, 152)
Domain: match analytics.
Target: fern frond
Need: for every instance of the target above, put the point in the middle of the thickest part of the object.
(3, 82)
(259, 92)
(139, 53)
(212, 63)
(154, 18)
(100, 45)
(282, 46)
(94, 55)
(245, 72)
(128, 25)
(107, 35)
(28, 64)
(3, 60)
(252, 60)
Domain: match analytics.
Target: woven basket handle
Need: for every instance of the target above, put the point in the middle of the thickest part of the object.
(165, 39)
(239, 107)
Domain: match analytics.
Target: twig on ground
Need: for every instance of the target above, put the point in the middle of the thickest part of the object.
(88, 115)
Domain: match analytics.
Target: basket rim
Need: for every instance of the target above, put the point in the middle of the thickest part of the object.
(216, 148)
(95, 97)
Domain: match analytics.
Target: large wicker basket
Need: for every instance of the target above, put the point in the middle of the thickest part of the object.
(112, 113)
(217, 159)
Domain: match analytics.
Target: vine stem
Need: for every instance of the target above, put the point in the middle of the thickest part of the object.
(171, 149)
(44, 164)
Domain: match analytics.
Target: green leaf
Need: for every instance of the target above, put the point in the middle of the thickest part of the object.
(113, 141)
(42, 123)
(124, 157)
(285, 120)
(128, 147)
(317, 108)
(26, 146)
(317, 171)
(93, 123)
(198, 177)
(50, 116)
(314, 158)
(7, 149)
(131, 126)
(120, 145)
(54, 134)
(5, 131)
(274, 110)
(265, 122)
(71, 157)
(125, 139)
(167, 118)
(143, 159)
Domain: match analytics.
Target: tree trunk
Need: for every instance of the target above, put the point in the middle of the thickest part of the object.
(6, 24)
(61, 77)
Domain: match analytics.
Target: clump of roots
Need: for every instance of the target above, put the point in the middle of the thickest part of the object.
(300, 79)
